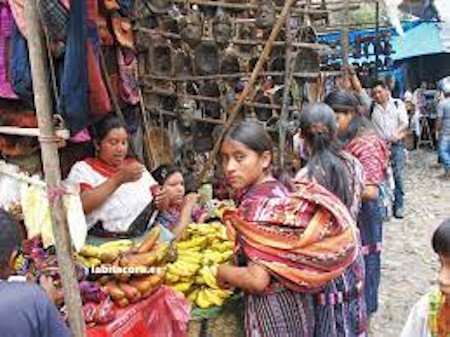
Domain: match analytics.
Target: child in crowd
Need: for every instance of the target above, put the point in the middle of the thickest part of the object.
(430, 316)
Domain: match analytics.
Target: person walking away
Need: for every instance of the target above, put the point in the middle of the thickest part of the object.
(390, 120)
(362, 141)
(289, 243)
(443, 129)
(340, 308)
(430, 316)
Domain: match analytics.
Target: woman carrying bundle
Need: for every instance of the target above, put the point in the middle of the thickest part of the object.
(288, 243)
(340, 306)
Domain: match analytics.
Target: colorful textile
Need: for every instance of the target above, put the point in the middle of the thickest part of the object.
(355, 175)
(340, 308)
(55, 18)
(123, 206)
(285, 313)
(370, 226)
(304, 240)
(6, 29)
(128, 68)
(373, 154)
(279, 311)
(438, 315)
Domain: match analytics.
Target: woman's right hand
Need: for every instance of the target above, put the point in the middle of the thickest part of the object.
(130, 173)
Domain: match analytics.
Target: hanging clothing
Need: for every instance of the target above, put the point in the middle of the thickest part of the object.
(124, 205)
(21, 80)
(74, 97)
(128, 68)
(6, 30)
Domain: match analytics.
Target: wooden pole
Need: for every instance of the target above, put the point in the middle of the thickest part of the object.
(286, 90)
(249, 86)
(344, 40)
(52, 170)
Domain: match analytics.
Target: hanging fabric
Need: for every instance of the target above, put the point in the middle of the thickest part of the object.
(74, 86)
(128, 67)
(20, 70)
(6, 28)
(99, 100)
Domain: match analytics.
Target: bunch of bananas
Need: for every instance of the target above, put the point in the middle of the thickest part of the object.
(202, 248)
(92, 256)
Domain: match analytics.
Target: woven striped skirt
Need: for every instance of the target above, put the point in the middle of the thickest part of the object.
(285, 313)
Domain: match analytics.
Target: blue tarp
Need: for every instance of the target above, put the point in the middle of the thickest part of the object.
(424, 39)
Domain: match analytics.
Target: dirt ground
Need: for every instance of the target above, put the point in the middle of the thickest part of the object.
(409, 265)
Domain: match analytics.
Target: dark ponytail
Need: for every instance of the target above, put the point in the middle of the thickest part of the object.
(325, 164)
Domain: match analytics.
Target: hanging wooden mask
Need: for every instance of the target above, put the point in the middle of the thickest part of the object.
(222, 29)
(191, 29)
(266, 14)
(207, 59)
(161, 60)
(183, 64)
(211, 89)
(307, 60)
(229, 64)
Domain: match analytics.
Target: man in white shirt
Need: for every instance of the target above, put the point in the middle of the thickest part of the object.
(390, 119)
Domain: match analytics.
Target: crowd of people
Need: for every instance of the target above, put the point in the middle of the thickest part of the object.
(307, 247)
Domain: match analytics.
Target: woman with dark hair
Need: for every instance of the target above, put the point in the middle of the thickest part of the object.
(340, 307)
(289, 244)
(180, 207)
(362, 141)
(114, 188)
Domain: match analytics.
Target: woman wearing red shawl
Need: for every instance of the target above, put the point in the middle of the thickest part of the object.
(361, 140)
(288, 243)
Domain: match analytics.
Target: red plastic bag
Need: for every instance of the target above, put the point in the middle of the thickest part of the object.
(164, 314)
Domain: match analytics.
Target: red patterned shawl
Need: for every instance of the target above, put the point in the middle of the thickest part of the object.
(304, 239)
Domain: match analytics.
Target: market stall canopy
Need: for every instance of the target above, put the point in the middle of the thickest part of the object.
(426, 38)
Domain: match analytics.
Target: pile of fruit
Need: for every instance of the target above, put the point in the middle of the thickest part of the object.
(147, 260)
(202, 248)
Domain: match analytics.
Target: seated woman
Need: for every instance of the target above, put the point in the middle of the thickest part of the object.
(114, 188)
(179, 212)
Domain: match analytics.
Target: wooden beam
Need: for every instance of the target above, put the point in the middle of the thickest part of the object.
(31, 132)
(52, 170)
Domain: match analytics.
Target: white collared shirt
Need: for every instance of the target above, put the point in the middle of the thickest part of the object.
(388, 121)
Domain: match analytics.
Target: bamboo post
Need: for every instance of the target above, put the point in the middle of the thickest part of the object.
(52, 170)
(286, 90)
(344, 40)
(248, 87)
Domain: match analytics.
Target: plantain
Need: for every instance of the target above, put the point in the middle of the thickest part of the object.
(150, 240)
(125, 243)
